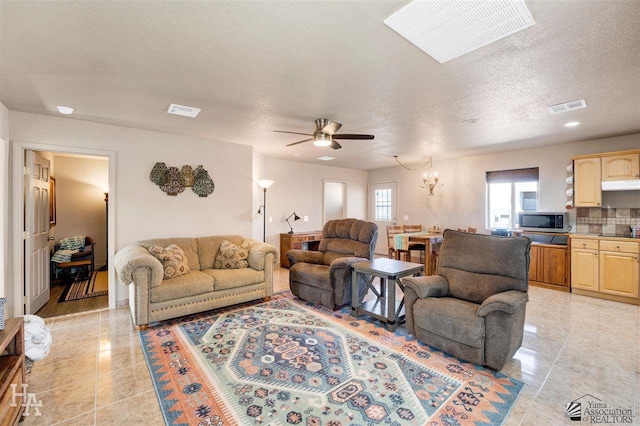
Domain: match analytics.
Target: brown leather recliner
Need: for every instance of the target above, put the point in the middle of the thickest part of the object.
(324, 276)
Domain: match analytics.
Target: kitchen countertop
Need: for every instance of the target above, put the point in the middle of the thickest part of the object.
(605, 237)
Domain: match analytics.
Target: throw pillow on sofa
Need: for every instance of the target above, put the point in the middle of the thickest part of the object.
(174, 262)
(232, 256)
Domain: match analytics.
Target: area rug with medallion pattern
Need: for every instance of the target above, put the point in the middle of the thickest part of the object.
(286, 362)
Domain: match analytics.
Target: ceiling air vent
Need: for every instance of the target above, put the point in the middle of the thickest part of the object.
(183, 110)
(567, 106)
(446, 29)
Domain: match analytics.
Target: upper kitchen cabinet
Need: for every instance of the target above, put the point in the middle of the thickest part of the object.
(621, 167)
(587, 182)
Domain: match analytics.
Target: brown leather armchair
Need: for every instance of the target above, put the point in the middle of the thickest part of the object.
(324, 276)
(475, 307)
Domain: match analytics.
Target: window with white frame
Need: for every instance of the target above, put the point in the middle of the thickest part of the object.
(383, 205)
(510, 192)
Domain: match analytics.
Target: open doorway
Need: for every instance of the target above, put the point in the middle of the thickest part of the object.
(78, 204)
(334, 197)
(78, 221)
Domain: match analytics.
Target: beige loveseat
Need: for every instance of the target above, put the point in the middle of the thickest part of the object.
(153, 299)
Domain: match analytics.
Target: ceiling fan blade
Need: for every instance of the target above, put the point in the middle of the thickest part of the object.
(293, 133)
(331, 128)
(348, 136)
(296, 143)
(335, 145)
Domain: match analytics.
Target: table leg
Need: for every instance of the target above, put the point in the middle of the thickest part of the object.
(355, 296)
(391, 306)
(399, 284)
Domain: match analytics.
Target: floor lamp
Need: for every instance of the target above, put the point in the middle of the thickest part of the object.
(264, 184)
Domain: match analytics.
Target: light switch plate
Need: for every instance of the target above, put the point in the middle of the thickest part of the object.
(406, 217)
(306, 218)
(270, 219)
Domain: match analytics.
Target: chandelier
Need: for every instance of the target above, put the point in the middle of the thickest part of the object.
(430, 177)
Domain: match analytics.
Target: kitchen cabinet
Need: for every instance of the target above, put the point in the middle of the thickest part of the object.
(554, 266)
(621, 167)
(606, 268)
(584, 264)
(548, 266)
(619, 268)
(534, 263)
(587, 182)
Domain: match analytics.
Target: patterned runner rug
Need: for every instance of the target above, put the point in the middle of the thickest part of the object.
(285, 362)
(97, 285)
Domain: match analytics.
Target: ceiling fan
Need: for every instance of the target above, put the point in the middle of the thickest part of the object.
(325, 134)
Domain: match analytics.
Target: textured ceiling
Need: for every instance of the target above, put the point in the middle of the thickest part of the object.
(258, 66)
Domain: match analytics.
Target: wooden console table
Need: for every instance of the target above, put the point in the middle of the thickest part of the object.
(309, 240)
(12, 370)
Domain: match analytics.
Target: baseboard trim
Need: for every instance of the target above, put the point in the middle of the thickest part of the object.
(605, 296)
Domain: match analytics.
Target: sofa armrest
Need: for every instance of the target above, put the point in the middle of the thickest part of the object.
(128, 259)
(258, 254)
(507, 301)
(430, 286)
(306, 256)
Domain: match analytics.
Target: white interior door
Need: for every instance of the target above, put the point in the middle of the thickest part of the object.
(36, 259)
(383, 210)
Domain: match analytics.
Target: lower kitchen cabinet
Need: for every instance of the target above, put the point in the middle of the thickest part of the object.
(584, 268)
(548, 267)
(608, 269)
(619, 273)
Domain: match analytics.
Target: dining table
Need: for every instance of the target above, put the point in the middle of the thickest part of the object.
(403, 240)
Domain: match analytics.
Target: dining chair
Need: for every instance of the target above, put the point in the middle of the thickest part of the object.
(415, 246)
(392, 231)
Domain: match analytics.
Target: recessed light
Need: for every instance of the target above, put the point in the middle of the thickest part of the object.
(326, 158)
(65, 110)
(296, 155)
(470, 121)
(572, 124)
(185, 111)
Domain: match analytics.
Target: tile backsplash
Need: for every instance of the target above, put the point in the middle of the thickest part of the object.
(596, 220)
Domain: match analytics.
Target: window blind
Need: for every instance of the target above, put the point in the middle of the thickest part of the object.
(515, 175)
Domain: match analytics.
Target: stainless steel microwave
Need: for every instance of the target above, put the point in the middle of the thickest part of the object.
(544, 221)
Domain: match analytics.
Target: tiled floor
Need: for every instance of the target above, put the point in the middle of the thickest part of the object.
(573, 345)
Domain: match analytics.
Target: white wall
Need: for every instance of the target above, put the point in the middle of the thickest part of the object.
(142, 209)
(258, 173)
(80, 205)
(298, 187)
(460, 202)
(6, 290)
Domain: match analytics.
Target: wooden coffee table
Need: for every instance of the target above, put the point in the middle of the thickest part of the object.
(384, 307)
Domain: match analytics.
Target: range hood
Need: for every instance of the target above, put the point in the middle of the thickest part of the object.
(621, 185)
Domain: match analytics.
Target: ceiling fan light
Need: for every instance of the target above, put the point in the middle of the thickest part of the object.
(322, 139)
